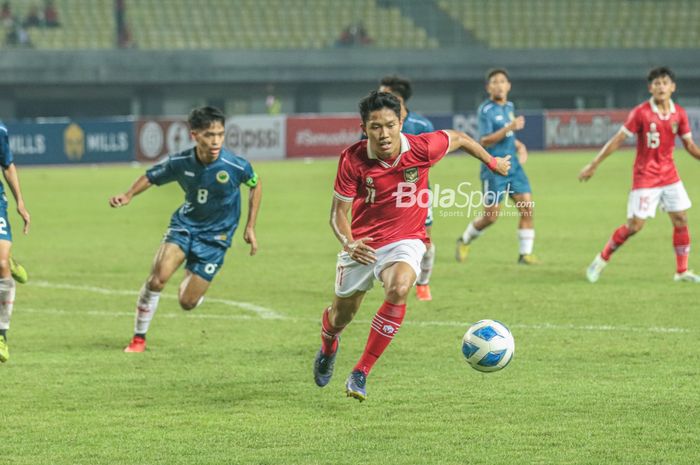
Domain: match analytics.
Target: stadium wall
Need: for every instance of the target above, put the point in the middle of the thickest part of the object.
(262, 137)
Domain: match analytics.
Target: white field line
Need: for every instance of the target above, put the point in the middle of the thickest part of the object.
(262, 312)
(267, 313)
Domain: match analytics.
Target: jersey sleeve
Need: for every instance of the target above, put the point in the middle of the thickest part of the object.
(684, 126)
(434, 146)
(485, 124)
(249, 176)
(633, 125)
(6, 158)
(161, 173)
(345, 187)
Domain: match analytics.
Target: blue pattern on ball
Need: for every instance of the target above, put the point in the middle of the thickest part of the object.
(486, 333)
(469, 349)
(492, 358)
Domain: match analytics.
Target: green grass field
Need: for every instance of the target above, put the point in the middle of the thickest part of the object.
(603, 374)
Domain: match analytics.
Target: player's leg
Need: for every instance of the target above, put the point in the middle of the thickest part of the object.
(526, 228)
(205, 259)
(492, 196)
(167, 260)
(675, 200)
(641, 204)
(397, 268)
(192, 290)
(352, 280)
(7, 294)
(426, 263)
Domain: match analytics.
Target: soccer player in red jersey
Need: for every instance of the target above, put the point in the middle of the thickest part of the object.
(380, 180)
(656, 123)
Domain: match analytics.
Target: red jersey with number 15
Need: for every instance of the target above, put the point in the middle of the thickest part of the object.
(656, 138)
(379, 189)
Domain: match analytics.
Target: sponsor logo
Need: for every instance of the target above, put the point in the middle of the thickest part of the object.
(74, 142)
(151, 140)
(222, 176)
(369, 181)
(311, 138)
(410, 175)
(388, 329)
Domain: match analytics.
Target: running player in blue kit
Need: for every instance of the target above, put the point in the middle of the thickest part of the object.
(497, 126)
(201, 230)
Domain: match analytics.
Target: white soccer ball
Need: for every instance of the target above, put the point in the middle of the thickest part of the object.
(488, 345)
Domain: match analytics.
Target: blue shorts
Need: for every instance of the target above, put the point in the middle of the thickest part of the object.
(496, 187)
(204, 252)
(5, 229)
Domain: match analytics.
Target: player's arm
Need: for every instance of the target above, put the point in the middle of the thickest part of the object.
(611, 146)
(254, 199)
(461, 141)
(521, 149)
(140, 185)
(495, 137)
(340, 224)
(691, 147)
(10, 174)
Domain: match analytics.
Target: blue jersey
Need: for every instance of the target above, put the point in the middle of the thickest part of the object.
(212, 192)
(5, 152)
(416, 124)
(493, 117)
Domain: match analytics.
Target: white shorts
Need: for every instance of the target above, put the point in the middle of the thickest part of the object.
(643, 202)
(351, 276)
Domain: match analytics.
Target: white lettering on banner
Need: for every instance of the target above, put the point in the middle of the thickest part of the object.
(151, 139)
(309, 138)
(573, 133)
(257, 136)
(27, 144)
(107, 142)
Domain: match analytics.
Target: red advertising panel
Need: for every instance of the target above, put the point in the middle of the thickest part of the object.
(582, 129)
(158, 137)
(322, 135)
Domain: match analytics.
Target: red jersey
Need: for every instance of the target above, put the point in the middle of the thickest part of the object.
(377, 188)
(656, 134)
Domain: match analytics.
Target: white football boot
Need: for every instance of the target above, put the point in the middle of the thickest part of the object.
(595, 268)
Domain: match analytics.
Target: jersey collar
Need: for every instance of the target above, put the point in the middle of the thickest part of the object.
(656, 110)
(405, 147)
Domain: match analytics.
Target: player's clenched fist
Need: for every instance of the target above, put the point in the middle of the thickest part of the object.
(502, 165)
(119, 200)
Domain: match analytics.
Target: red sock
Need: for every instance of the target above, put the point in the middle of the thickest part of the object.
(329, 334)
(385, 325)
(681, 243)
(618, 238)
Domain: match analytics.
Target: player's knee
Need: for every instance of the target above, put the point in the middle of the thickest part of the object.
(489, 218)
(4, 265)
(635, 226)
(679, 221)
(397, 292)
(188, 304)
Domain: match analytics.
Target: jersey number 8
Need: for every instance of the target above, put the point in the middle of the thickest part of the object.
(202, 195)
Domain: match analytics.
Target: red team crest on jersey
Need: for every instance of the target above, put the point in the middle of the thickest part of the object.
(373, 187)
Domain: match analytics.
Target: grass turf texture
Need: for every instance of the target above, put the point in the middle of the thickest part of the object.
(603, 374)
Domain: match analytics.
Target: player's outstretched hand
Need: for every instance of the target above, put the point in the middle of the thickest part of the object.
(361, 252)
(120, 200)
(502, 165)
(249, 237)
(25, 217)
(587, 172)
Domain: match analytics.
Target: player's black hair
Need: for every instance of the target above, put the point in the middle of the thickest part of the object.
(659, 72)
(398, 85)
(203, 117)
(492, 72)
(377, 101)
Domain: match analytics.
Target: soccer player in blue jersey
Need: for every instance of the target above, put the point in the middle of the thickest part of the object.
(497, 126)
(201, 230)
(8, 268)
(414, 124)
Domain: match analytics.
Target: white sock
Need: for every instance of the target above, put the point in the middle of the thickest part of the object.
(146, 308)
(7, 301)
(426, 265)
(526, 237)
(471, 233)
